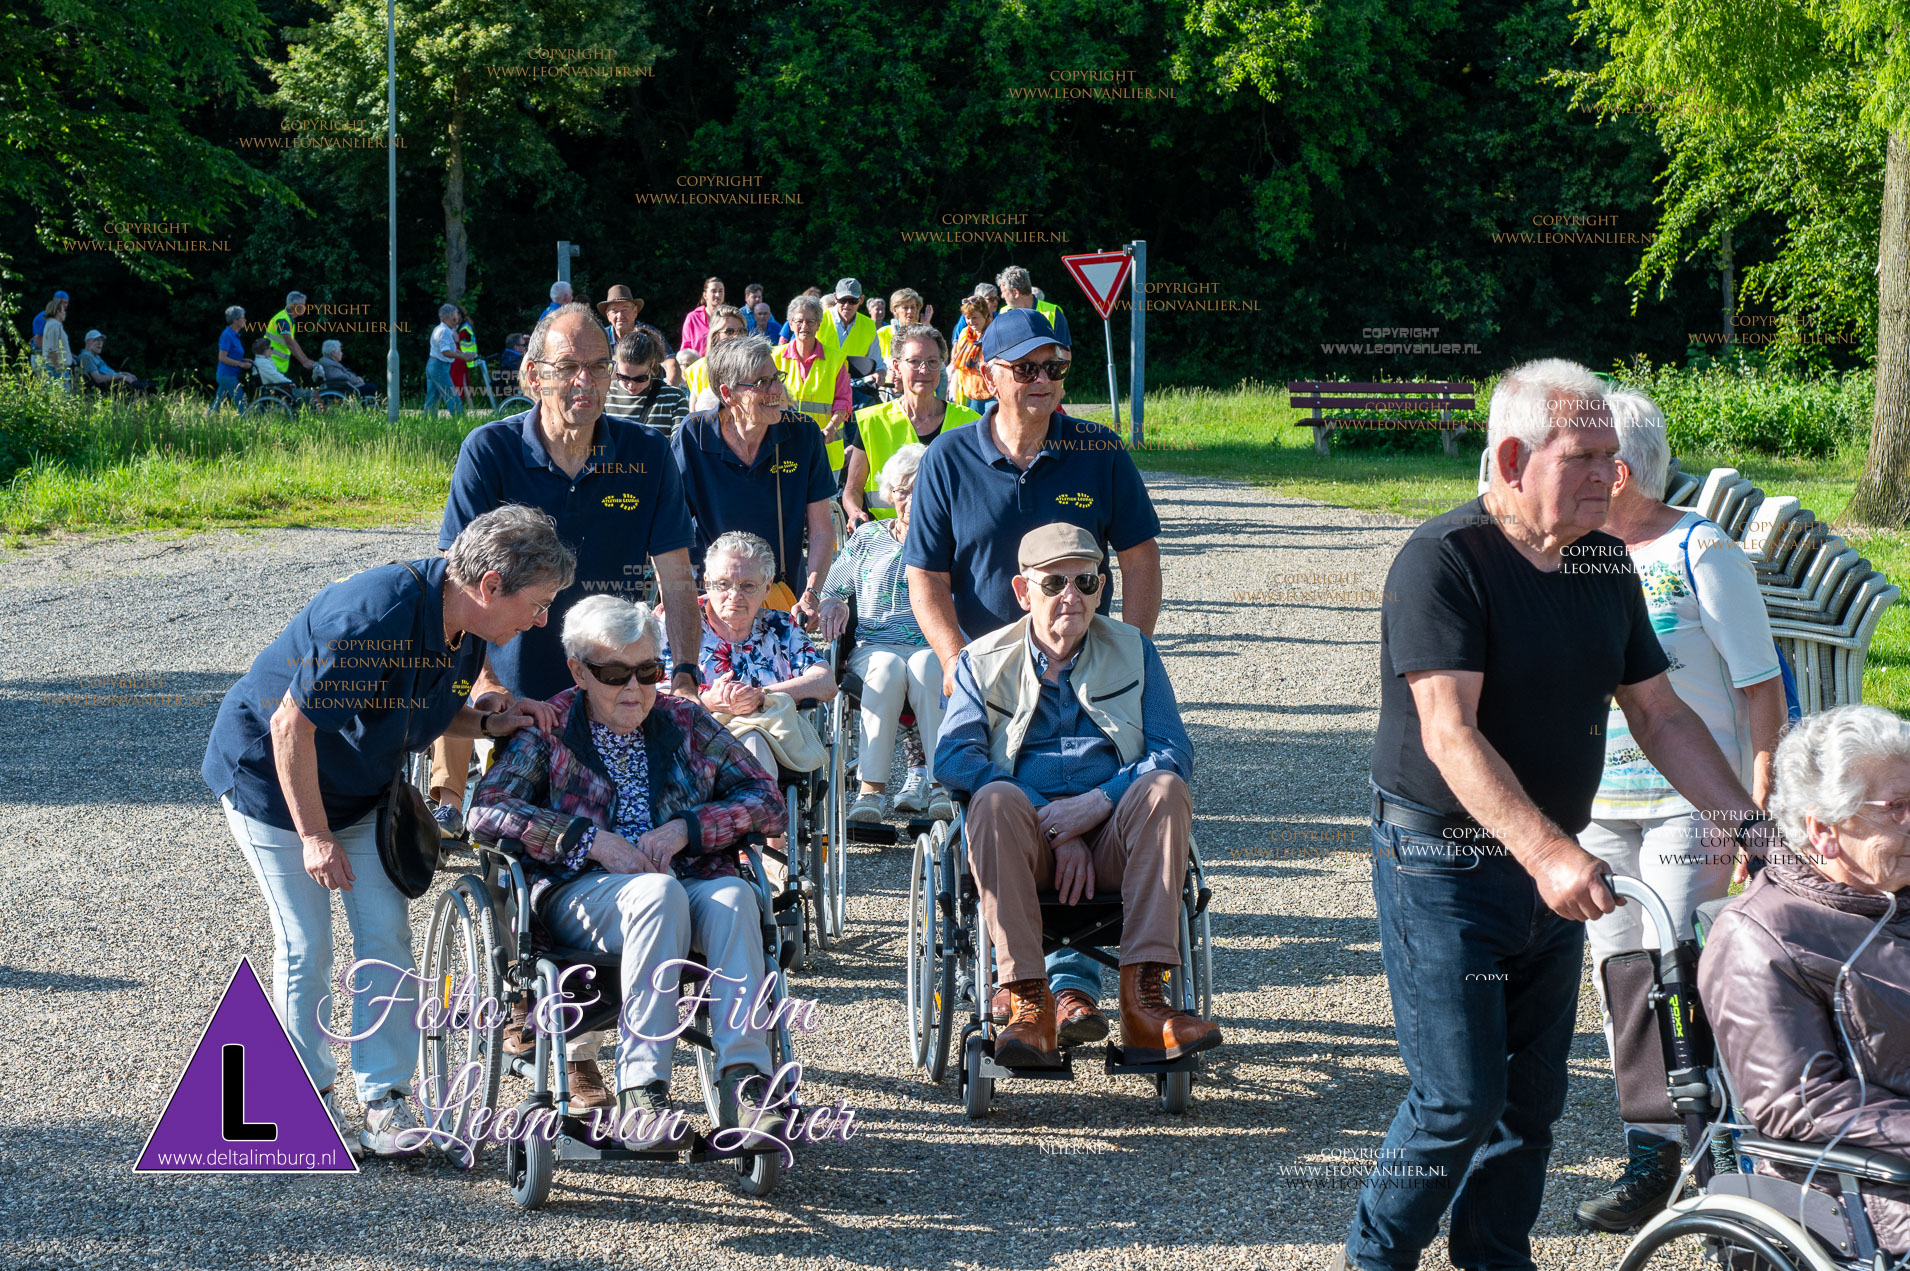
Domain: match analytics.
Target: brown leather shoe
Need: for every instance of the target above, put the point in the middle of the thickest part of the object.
(518, 1039)
(999, 1008)
(1028, 1041)
(1152, 1030)
(587, 1089)
(1078, 1021)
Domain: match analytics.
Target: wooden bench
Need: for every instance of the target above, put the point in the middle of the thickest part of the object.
(1319, 397)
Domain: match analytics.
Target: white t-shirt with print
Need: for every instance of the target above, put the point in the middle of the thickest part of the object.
(1719, 643)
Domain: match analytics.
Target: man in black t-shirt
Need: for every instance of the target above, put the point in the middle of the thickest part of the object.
(1510, 624)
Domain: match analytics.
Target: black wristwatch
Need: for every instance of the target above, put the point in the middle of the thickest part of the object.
(484, 724)
(1744, 826)
(686, 668)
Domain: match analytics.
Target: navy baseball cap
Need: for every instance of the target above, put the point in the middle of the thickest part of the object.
(1017, 333)
(61, 295)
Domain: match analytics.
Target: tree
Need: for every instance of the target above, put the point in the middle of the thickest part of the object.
(1790, 107)
(482, 86)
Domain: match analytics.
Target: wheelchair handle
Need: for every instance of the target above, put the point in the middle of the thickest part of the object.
(1632, 889)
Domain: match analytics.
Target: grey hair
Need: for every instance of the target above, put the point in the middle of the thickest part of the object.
(1525, 401)
(918, 331)
(559, 288)
(1818, 769)
(294, 298)
(610, 622)
(1014, 278)
(1642, 445)
(900, 470)
(445, 311)
(738, 361)
(987, 289)
(331, 348)
(518, 542)
(745, 546)
(541, 332)
(805, 304)
(233, 313)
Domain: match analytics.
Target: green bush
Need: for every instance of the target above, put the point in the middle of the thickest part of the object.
(1737, 409)
(39, 422)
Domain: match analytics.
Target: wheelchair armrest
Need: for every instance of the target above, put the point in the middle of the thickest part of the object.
(1865, 1163)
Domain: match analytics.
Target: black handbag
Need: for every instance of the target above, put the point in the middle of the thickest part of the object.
(408, 839)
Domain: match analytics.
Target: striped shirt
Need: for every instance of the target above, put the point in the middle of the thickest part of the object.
(871, 567)
(662, 407)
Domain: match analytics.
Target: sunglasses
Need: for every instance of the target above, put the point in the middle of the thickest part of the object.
(616, 675)
(1054, 584)
(1025, 372)
(633, 381)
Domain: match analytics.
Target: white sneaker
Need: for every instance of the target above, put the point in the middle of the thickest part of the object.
(386, 1119)
(866, 810)
(352, 1145)
(940, 807)
(913, 796)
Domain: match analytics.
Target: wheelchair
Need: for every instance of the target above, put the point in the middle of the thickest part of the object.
(814, 901)
(951, 961)
(479, 949)
(342, 396)
(276, 401)
(1722, 1215)
(847, 724)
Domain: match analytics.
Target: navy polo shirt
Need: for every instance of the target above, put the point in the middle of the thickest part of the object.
(726, 494)
(367, 663)
(624, 505)
(972, 506)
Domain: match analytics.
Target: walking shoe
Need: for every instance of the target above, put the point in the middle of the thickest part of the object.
(1641, 1191)
(998, 1007)
(1153, 1031)
(587, 1089)
(940, 806)
(352, 1145)
(737, 1109)
(1078, 1021)
(518, 1038)
(386, 1120)
(866, 810)
(1029, 1040)
(644, 1122)
(913, 796)
(450, 820)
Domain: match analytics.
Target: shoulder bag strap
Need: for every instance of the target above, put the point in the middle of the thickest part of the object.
(776, 471)
(417, 635)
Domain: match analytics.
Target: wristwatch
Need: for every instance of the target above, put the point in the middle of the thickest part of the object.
(686, 668)
(484, 724)
(1744, 826)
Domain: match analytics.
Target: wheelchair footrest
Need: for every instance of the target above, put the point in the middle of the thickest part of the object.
(992, 1069)
(1117, 1063)
(574, 1143)
(886, 835)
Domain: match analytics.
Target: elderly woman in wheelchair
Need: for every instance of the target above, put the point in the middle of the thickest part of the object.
(628, 820)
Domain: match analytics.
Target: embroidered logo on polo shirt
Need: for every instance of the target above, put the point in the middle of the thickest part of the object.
(462, 688)
(787, 465)
(1077, 500)
(628, 502)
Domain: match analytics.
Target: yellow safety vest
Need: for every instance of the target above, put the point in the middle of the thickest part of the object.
(281, 340)
(467, 339)
(886, 338)
(885, 429)
(696, 380)
(1049, 311)
(813, 394)
(861, 335)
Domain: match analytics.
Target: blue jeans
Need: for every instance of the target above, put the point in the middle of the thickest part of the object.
(1484, 981)
(380, 921)
(1073, 969)
(437, 385)
(227, 388)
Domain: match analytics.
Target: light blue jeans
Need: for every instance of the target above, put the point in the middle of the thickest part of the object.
(380, 920)
(437, 385)
(228, 388)
(650, 919)
(1073, 969)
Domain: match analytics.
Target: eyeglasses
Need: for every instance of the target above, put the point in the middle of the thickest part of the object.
(616, 674)
(767, 384)
(745, 589)
(1025, 372)
(568, 370)
(1897, 809)
(920, 363)
(633, 381)
(850, 301)
(538, 611)
(1054, 584)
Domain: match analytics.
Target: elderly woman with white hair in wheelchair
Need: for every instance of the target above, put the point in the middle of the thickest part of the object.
(1806, 977)
(629, 819)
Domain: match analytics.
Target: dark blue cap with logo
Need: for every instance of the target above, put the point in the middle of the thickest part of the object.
(1017, 333)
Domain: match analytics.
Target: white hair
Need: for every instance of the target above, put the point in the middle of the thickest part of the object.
(741, 545)
(610, 623)
(1529, 400)
(1642, 445)
(1822, 763)
(445, 311)
(900, 469)
(294, 298)
(331, 348)
(558, 290)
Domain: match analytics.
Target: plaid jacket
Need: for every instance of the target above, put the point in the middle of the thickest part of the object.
(544, 791)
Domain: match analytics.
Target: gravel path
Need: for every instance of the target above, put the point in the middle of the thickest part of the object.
(126, 906)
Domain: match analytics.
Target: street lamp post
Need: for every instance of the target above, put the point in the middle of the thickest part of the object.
(391, 205)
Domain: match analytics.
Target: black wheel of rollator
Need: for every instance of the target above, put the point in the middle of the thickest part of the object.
(1703, 1241)
(530, 1159)
(461, 1057)
(977, 1090)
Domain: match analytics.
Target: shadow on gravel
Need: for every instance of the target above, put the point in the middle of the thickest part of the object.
(75, 736)
(13, 977)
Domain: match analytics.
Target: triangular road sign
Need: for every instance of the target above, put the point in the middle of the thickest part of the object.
(244, 1104)
(1101, 275)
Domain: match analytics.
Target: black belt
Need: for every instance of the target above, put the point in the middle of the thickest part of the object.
(1433, 823)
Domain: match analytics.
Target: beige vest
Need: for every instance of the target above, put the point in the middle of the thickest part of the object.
(1106, 678)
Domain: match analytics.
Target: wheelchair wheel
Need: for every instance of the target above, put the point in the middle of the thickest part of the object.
(530, 1159)
(332, 399)
(512, 406)
(931, 977)
(461, 1063)
(270, 408)
(977, 1090)
(1704, 1241)
(836, 873)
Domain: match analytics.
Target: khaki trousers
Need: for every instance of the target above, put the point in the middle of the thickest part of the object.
(1139, 852)
(450, 769)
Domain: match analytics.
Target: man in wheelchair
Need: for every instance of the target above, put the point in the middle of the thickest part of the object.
(1064, 732)
(628, 818)
(1806, 976)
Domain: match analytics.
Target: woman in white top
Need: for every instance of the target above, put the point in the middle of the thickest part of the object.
(56, 351)
(1705, 606)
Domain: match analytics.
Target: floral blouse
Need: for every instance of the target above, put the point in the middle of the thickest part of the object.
(630, 771)
(777, 650)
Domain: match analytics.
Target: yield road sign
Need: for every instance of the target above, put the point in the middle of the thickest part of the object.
(1101, 275)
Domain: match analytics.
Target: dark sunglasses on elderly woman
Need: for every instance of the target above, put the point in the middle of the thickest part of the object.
(1052, 584)
(616, 675)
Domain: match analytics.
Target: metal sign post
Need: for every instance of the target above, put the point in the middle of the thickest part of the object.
(1100, 275)
(1114, 394)
(566, 251)
(1137, 337)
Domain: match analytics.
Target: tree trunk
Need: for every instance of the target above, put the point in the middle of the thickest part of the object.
(1882, 497)
(456, 257)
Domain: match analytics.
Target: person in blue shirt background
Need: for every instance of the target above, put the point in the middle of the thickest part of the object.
(232, 362)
